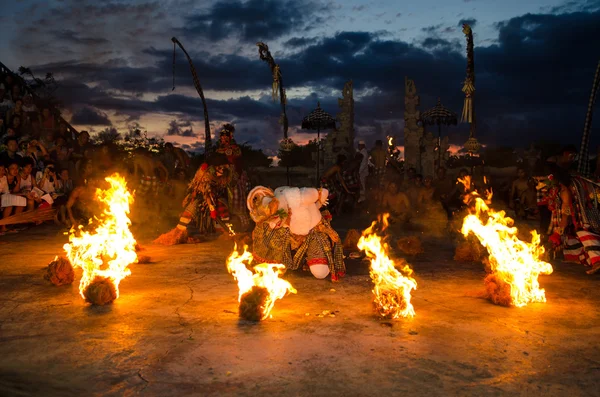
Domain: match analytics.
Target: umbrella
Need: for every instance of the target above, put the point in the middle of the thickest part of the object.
(318, 120)
(439, 115)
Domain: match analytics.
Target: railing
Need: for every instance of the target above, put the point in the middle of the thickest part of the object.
(5, 70)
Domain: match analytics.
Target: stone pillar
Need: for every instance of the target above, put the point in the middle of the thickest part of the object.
(413, 132)
(345, 135)
(429, 155)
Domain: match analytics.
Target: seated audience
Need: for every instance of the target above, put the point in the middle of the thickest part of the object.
(396, 203)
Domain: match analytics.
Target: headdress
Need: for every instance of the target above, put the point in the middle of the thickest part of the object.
(227, 130)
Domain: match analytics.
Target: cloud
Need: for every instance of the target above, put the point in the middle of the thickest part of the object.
(72, 37)
(525, 85)
(253, 20)
(90, 116)
(576, 6)
(300, 41)
(472, 22)
(179, 128)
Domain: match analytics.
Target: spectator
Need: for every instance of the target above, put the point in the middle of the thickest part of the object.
(16, 111)
(12, 202)
(11, 151)
(31, 111)
(6, 104)
(48, 140)
(63, 132)
(48, 121)
(15, 124)
(27, 183)
(37, 152)
(35, 128)
(61, 153)
(64, 185)
(9, 132)
(8, 83)
(80, 146)
(15, 92)
(47, 180)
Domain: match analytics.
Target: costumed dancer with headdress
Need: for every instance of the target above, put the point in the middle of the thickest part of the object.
(237, 187)
(205, 204)
(575, 222)
(291, 230)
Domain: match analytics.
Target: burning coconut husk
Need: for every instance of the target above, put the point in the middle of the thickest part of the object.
(253, 303)
(497, 290)
(173, 237)
(392, 280)
(100, 291)
(410, 245)
(515, 264)
(351, 240)
(258, 290)
(105, 253)
(144, 259)
(60, 271)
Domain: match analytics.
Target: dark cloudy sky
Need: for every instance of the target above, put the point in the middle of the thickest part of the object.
(534, 62)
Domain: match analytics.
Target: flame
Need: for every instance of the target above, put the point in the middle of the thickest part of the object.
(390, 141)
(265, 275)
(471, 193)
(514, 262)
(392, 288)
(466, 182)
(110, 248)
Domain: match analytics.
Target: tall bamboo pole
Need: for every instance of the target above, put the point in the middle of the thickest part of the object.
(208, 147)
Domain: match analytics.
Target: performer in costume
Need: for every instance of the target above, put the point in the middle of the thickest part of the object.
(205, 203)
(290, 229)
(575, 222)
(237, 186)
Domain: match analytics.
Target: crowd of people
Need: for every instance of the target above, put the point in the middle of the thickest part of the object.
(45, 163)
(371, 177)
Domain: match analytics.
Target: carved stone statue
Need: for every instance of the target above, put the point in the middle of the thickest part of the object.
(445, 151)
(429, 155)
(341, 141)
(413, 132)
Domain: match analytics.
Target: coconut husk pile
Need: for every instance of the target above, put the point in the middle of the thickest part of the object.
(393, 302)
(498, 291)
(253, 303)
(410, 245)
(351, 240)
(60, 272)
(469, 251)
(100, 292)
(173, 237)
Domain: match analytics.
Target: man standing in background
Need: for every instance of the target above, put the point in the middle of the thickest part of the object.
(363, 170)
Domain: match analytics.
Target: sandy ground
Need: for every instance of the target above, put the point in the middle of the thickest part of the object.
(175, 332)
